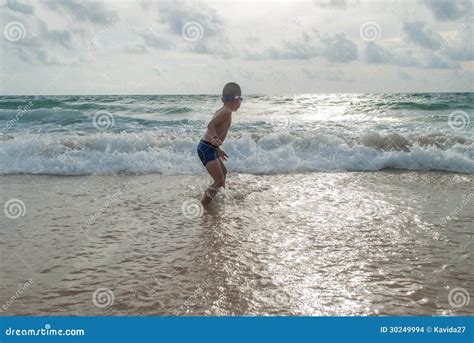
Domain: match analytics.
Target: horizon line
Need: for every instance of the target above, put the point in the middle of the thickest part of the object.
(245, 95)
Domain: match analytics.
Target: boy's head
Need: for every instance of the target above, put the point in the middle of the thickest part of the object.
(231, 96)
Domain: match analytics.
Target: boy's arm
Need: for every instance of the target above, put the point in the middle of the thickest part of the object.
(222, 155)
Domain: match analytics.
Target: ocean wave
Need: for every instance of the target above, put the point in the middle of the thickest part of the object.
(275, 153)
(44, 115)
(63, 117)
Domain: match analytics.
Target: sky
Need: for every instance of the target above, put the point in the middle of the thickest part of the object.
(268, 47)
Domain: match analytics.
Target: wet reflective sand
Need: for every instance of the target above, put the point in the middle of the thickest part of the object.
(379, 243)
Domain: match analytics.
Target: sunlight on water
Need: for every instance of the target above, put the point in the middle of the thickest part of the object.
(298, 244)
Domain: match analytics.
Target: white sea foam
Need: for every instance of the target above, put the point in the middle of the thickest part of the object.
(275, 153)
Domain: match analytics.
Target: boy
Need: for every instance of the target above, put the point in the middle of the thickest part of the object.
(209, 150)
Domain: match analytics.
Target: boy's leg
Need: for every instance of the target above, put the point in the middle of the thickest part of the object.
(218, 173)
(224, 171)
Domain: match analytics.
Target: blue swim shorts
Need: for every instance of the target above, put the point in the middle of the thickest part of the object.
(206, 152)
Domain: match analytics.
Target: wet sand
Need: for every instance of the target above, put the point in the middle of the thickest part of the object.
(376, 243)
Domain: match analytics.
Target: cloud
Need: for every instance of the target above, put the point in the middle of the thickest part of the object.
(337, 4)
(447, 10)
(153, 40)
(459, 45)
(135, 49)
(32, 55)
(404, 76)
(377, 54)
(198, 25)
(331, 75)
(337, 48)
(88, 11)
(288, 51)
(176, 14)
(14, 5)
(461, 52)
(419, 33)
(40, 44)
(61, 37)
(435, 61)
(232, 38)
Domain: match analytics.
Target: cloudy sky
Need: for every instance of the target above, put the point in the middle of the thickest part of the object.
(181, 47)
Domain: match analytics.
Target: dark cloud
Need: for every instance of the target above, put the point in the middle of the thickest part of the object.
(294, 50)
(461, 53)
(419, 33)
(46, 58)
(337, 48)
(435, 61)
(17, 6)
(94, 12)
(178, 13)
(36, 55)
(449, 9)
(457, 45)
(377, 54)
(196, 24)
(61, 37)
(40, 44)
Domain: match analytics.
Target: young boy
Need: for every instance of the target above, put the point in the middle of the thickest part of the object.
(209, 150)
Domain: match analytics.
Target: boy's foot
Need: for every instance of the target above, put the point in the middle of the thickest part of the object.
(208, 196)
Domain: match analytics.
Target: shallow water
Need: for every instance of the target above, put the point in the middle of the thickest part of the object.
(351, 243)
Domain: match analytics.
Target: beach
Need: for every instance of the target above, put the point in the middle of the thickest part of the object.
(389, 242)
